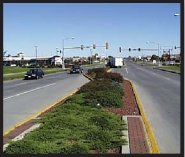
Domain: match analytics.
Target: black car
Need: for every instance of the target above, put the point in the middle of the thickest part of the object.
(34, 74)
(76, 69)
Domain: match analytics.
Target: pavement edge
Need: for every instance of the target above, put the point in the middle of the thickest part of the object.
(154, 148)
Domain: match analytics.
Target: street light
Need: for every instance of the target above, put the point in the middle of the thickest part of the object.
(63, 64)
(176, 14)
(149, 42)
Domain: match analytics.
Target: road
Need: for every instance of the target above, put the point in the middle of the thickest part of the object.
(23, 98)
(159, 92)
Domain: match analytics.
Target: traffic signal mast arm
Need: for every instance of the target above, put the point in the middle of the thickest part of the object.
(82, 47)
(139, 49)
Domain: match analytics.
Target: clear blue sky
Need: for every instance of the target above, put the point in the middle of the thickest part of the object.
(120, 24)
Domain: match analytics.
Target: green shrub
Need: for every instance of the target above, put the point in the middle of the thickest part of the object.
(72, 129)
(77, 148)
(77, 98)
(113, 76)
(97, 72)
(107, 93)
(31, 147)
(105, 99)
(101, 85)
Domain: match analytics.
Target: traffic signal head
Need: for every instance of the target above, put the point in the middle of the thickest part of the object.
(175, 47)
(106, 45)
(119, 49)
(94, 46)
(82, 47)
(129, 49)
(139, 49)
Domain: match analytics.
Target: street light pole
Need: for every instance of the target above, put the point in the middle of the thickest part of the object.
(36, 55)
(63, 64)
(158, 54)
(91, 57)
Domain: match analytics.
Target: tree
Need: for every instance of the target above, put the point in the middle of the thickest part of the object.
(154, 57)
(165, 57)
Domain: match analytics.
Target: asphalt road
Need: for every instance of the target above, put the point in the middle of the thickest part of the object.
(23, 98)
(159, 92)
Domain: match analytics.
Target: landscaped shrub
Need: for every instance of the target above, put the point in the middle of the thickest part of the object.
(72, 129)
(77, 98)
(113, 76)
(105, 99)
(97, 72)
(101, 85)
(31, 147)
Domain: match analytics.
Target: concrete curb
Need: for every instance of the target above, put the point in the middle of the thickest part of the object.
(21, 136)
(87, 76)
(154, 148)
(125, 149)
(39, 112)
(167, 70)
(110, 70)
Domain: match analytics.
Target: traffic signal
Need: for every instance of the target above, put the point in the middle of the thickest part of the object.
(175, 47)
(119, 49)
(139, 49)
(129, 49)
(82, 47)
(106, 45)
(94, 46)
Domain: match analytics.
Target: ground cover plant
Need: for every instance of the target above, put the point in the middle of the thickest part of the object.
(105, 93)
(97, 72)
(72, 128)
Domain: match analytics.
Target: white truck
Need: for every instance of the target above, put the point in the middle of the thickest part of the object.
(116, 62)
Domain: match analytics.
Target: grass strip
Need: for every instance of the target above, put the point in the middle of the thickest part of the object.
(171, 68)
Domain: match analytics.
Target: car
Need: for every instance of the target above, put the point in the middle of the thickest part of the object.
(76, 69)
(35, 73)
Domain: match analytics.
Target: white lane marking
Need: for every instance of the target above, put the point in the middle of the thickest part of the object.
(157, 75)
(19, 84)
(126, 70)
(28, 91)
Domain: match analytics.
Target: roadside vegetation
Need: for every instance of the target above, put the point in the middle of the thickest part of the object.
(81, 125)
(10, 73)
(173, 68)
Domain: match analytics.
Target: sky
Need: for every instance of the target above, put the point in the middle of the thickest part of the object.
(126, 25)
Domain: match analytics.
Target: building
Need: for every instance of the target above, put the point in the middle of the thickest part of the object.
(20, 59)
(56, 60)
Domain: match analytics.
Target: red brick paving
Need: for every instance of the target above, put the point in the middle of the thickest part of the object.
(137, 140)
(18, 131)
